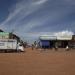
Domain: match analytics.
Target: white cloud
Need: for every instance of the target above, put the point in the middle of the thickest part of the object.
(39, 1)
(21, 10)
(64, 33)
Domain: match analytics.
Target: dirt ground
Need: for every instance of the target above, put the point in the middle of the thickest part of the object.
(37, 62)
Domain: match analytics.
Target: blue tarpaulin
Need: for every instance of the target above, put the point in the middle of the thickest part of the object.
(45, 44)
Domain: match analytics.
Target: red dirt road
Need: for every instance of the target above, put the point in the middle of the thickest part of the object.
(38, 63)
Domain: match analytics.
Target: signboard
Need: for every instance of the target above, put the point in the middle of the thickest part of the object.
(48, 37)
(12, 44)
(8, 44)
(3, 45)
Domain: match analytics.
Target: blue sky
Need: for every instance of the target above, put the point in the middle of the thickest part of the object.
(28, 18)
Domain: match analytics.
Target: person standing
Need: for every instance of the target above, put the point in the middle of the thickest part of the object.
(56, 46)
(32, 46)
(67, 47)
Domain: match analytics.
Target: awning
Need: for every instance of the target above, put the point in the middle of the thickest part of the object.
(48, 37)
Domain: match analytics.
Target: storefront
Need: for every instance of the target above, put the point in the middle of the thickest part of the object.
(61, 41)
(47, 41)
